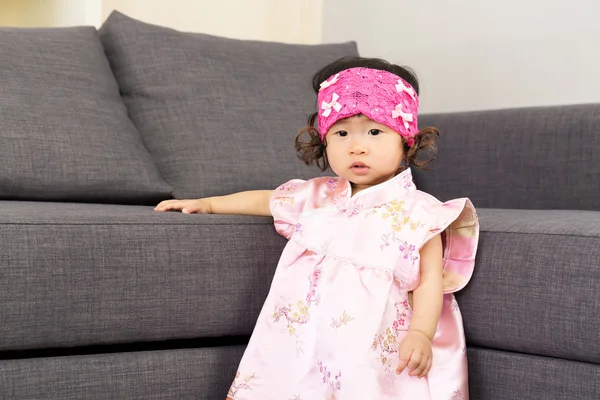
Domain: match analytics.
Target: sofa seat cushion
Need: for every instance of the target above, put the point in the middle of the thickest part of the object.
(81, 274)
(536, 285)
(502, 375)
(77, 274)
(188, 374)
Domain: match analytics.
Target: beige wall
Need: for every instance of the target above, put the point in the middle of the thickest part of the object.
(291, 21)
(28, 13)
(49, 13)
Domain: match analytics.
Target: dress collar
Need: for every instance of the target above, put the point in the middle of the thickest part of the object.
(373, 196)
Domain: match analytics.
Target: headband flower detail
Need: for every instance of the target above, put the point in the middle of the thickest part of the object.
(401, 87)
(332, 104)
(326, 83)
(406, 117)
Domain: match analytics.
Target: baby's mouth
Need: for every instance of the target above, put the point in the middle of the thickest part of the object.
(358, 165)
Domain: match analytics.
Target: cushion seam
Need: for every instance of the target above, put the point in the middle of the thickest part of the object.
(253, 223)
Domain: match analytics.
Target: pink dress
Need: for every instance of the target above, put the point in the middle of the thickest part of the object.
(338, 304)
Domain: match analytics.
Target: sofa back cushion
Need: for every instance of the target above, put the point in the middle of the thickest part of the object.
(526, 158)
(64, 130)
(218, 115)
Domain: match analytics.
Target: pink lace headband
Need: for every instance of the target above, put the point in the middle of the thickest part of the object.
(379, 95)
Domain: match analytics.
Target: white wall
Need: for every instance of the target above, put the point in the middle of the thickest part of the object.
(78, 12)
(290, 21)
(474, 54)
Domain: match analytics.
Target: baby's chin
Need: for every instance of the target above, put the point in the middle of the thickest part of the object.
(368, 179)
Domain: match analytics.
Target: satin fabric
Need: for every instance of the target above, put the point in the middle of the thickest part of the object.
(338, 304)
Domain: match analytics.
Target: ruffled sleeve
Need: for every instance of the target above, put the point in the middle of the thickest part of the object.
(287, 203)
(458, 223)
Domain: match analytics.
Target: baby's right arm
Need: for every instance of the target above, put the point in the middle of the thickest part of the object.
(253, 202)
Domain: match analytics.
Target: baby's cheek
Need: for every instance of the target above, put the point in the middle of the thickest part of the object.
(391, 155)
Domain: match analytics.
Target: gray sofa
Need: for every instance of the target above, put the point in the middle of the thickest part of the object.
(102, 298)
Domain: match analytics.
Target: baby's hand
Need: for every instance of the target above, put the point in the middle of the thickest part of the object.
(201, 206)
(415, 353)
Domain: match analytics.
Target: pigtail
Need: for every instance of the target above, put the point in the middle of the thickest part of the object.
(424, 149)
(312, 150)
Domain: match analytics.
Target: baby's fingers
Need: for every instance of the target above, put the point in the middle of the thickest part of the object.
(404, 359)
(428, 367)
(173, 205)
(165, 205)
(421, 370)
(189, 208)
(415, 361)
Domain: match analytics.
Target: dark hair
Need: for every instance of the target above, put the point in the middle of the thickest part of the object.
(421, 153)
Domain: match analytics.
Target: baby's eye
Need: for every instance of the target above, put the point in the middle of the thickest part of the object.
(342, 133)
(374, 132)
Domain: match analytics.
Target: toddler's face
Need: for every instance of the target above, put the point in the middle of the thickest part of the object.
(363, 151)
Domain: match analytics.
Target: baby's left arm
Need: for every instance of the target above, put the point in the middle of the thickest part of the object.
(415, 349)
(428, 296)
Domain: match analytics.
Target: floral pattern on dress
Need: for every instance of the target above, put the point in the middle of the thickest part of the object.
(457, 395)
(454, 304)
(334, 382)
(407, 182)
(298, 314)
(325, 245)
(345, 246)
(340, 198)
(399, 218)
(409, 251)
(386, 343)
(281, 201)
(237, 386)
(287, 187)
(341, 321)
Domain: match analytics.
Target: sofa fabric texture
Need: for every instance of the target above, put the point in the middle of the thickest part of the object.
(526, 158)
(64, 130)
(218, 115)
